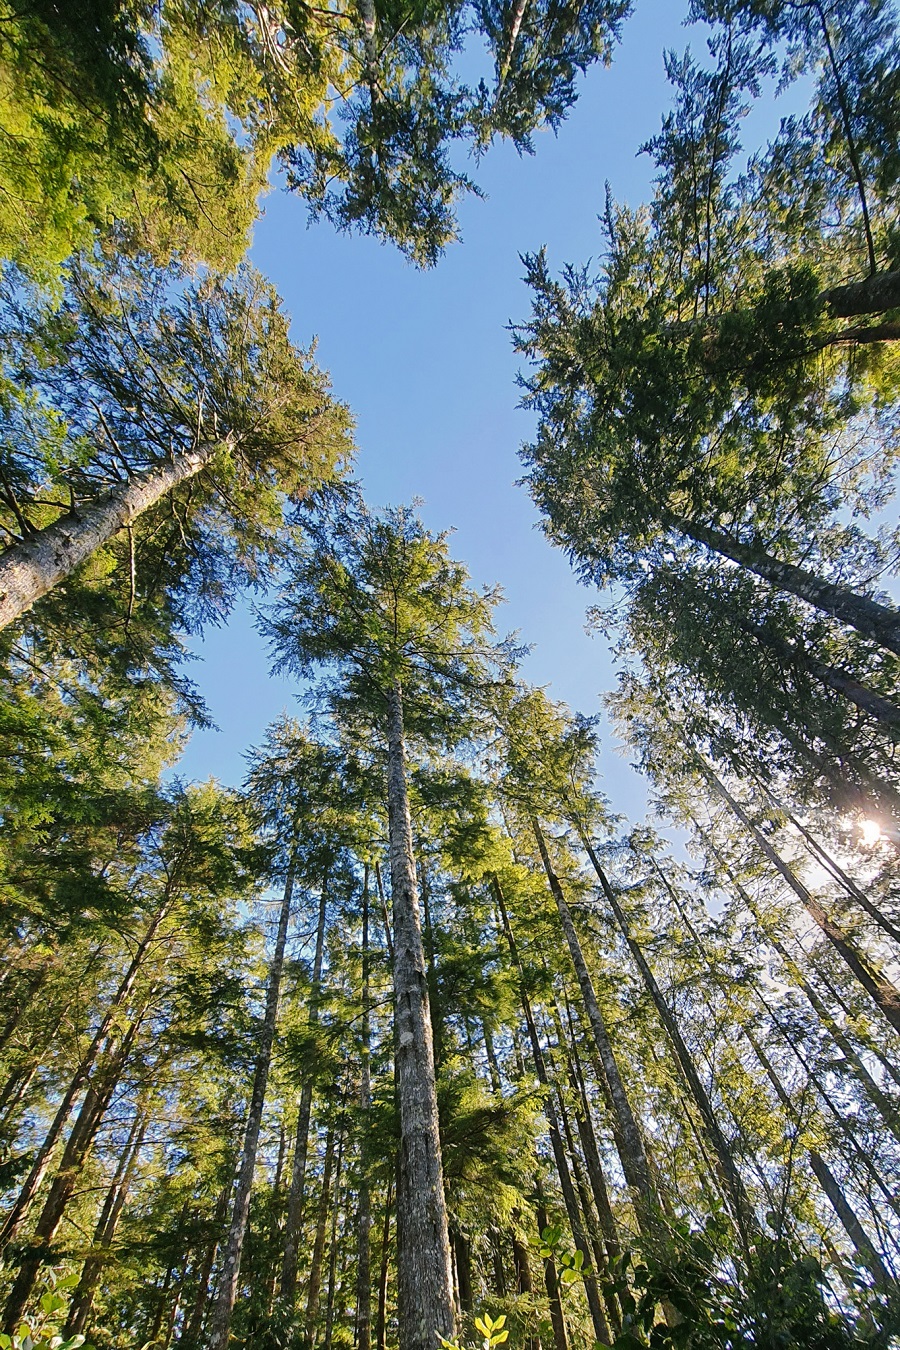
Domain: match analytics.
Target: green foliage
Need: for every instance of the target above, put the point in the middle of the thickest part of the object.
(44, 1331)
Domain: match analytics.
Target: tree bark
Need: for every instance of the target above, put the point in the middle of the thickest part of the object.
(424, 1276)
(381, 1320)
(43, 559)
(288, 1287)
(872, 295)
(875, 705)
(858, 1236)
(41, 1164)
(626, 1130)
(104, 1232)
(880, 623)
(318, 1251)
(739, 1201)
(551, 1280)
(879, 988)
(220, 1322)
(364, 1212)
(78, 1147)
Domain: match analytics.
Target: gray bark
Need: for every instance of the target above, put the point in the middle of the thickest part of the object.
(739, 1201)
(220, 1321)
(288, 1286)
(364, 1213)
(880, 623)
(42, 560)
(99, 1042)
(424, 1273)
(627, 1133)
(880, 989)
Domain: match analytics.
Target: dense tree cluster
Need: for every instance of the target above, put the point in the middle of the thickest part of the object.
(411, 1040)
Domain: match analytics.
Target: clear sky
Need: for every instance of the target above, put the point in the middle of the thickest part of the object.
(426, 364)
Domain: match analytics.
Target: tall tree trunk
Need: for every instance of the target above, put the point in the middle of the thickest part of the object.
(425, 1282)
(880, 623)
(78, 1147)
(869, 701)
(384, 1268)
(99, 1042)
(190, 1335)
(601, 1330)
(364, 1213)
(288, 1288)
(220, 1322)
(318, 1252)
(627, 1133)
(855, 1231)
(879, 988)
(33, 567)
(551, 1279)
(333, 1253)
(821, 854)
(739, 1201)
(104, 1232)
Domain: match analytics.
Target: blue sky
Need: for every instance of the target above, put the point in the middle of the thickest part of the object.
(426, 364)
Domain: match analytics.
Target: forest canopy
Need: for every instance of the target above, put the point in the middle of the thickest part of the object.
(411, 1039)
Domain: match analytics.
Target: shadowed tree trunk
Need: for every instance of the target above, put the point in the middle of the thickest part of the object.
(729, 1175)
(220, 1322)
(880, 989)
(424, 1276)
(625, 1127)
(288, 1288)
(872, 620)
(364, 1216)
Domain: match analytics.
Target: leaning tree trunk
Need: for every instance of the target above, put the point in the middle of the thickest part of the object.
(105, 1230)
(41, 1165)
(880, 623)
(876, 985)
(728, 1171)
(832, 1188)
(43, 559)
(75, 1154)
(288, 1286)
(220, 1321)
(627, 1133)
(424, 1273)
(874, 705)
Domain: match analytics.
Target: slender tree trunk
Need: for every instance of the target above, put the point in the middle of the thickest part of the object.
(220, 1322)
(858, 1236)
(587, 1237)
(381, 1320)
(364, 1215)
(880, 623)
(821, 854)
(333, 1254)
(879, 988)
(551, 1279)
(41, 1164)
(318, 1251)
(288, 1289)
(78, 1146)
(628, 1135)
(601, 1330)
(104, 1232)
(190, 1335)
(734, 1187)
(873, 704)
(425, 1282)
(33, 567)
